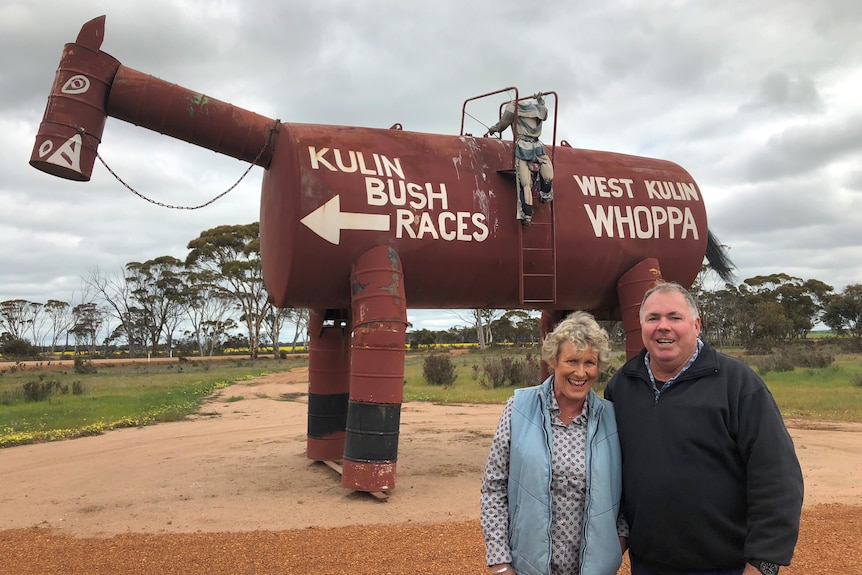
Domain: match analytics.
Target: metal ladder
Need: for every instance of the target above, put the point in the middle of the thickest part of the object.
(537, 263)
(537, 258)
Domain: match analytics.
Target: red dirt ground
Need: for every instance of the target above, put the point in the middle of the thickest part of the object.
(231, 491)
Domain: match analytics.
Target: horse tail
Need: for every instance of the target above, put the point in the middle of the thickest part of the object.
(717, 257)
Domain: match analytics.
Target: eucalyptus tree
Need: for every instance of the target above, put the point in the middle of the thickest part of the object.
(207, 310)
(232, 255)
(419, 337)
(481, 320)
(844, 312)
(36, 325)
(16, 315)
(760, 319)
(801, 301)
(717, 303)
(720, 312)
(459, 334)
(60, 318)
(299, 319)
(88, 321)
(156, 289)
(276, 321)
(517, 326)
(115, 293)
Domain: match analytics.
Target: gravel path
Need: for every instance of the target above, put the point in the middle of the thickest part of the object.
(829, 545)
(231, 492)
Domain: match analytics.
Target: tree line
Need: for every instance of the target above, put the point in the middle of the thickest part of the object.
(198, 305)
(484, 327)
(758, 314)
(155, 306)
(764, 312)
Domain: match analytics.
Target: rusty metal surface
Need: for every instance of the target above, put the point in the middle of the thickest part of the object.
(328, 386)
(446, 205)
(361, 476)
(379, 327)
(632, 287)
(329, 448)
(376, 370)
(75, 115)
(196, 118)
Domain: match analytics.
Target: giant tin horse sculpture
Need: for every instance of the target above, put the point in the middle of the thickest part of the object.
(358, 224)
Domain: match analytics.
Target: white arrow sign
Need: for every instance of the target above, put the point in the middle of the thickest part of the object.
(328, 220)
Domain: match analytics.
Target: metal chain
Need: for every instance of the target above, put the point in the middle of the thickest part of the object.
(272, 131)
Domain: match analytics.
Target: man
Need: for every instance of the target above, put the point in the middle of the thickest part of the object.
(711, 482)
(528, 149)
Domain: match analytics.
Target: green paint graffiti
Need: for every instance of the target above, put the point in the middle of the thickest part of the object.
(197, 101)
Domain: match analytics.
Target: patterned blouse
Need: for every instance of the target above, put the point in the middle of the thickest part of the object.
(568, 491)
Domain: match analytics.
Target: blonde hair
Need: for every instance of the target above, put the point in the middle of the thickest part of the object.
(583, 331)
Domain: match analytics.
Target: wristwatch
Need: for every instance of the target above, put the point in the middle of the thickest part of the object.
(765, 567)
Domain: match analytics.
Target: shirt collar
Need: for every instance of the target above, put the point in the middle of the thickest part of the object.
(679, 373)
(555, 408)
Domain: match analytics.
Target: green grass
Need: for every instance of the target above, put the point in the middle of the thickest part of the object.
(818, 394)
(128, 395)
(467, 387)
(826, 394)
(142, 394)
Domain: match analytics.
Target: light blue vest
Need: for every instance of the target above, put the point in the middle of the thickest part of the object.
(530, 485)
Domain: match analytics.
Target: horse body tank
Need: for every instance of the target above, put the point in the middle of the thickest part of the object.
(446, 204)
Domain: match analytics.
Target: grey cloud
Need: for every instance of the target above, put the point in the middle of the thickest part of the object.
(778, 92)
(806, 147)
(759, 212)
(703, 85)
(854, 180)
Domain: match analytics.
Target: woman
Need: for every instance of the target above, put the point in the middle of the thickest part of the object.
(551, 490)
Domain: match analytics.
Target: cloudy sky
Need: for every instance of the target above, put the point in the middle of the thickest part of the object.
(758, 100)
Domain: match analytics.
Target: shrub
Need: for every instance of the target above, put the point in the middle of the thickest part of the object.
(848, 344)
(526, 372)
(40, 390)
(776, 362)
(857, 380)
(84, 366)
(19, 349)
(438, 369)
(788, 358)
(606, 375)
(11, 397)
(510, 371)
(493, 373)
(812, 358)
